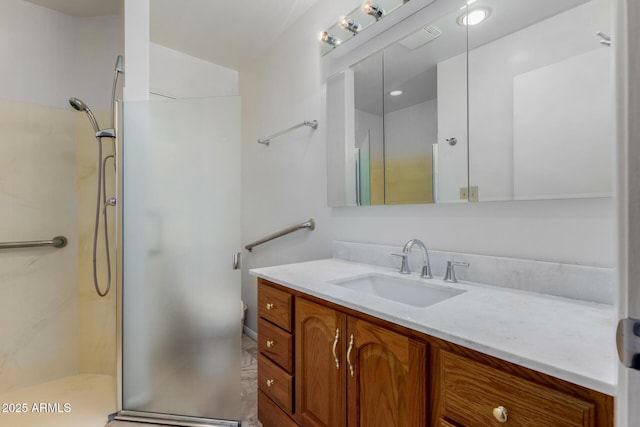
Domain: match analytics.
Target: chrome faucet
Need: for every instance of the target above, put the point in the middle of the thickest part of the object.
(426, 265)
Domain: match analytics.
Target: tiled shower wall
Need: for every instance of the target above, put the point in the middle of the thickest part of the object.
(38, 287)
(51, 322)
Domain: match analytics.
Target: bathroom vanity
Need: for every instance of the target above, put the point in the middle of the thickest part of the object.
(335, 354)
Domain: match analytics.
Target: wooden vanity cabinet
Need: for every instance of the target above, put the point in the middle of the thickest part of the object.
(351, 369)
(275, 356)
(351, 372)
(321, 386)
(387, 377)
(473, 394)
(472, 389)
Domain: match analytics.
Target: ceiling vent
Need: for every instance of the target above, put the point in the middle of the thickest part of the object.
(421, 37)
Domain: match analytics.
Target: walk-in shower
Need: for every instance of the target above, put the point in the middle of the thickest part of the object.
(102, 202)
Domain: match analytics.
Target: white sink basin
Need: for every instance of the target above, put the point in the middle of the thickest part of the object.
(415, 292)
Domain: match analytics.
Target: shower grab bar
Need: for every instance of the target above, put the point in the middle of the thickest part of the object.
(56, 242)
(313, 124)
(311, 225)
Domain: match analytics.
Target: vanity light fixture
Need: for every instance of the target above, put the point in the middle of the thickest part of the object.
(473, 17)
(329, 38)
(372, 9)
(396, 92)
(350, 25)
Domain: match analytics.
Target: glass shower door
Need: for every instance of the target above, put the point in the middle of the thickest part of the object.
(181, 226)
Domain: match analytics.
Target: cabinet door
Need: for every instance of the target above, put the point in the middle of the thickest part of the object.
(387, 386)
(320, 380)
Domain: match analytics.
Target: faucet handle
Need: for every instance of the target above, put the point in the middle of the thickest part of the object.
(404, 268)
(450, 275)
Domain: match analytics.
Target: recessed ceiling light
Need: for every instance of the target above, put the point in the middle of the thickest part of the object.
(473, 17)
(396, 93)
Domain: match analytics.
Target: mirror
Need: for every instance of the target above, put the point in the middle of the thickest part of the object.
(425, 115)
(540, 104)
(541, 100)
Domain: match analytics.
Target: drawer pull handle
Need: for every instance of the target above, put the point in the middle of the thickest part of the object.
(270, 306)
(270, 343)
(270, 382)
(351, 368)
(335, 344)
(500, 414)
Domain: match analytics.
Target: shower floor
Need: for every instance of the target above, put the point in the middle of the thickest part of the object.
(90, 397)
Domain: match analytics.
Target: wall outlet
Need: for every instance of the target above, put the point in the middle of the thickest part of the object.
(473, 194)
(464, 194)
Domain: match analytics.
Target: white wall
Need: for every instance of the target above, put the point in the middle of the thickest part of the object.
(178, 75)
(38, 52)
(286, 182)
(97, 45)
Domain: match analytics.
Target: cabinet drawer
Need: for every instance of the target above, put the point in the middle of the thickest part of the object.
(270, 415)
(274, 305)
(275, 383)
(471, 391)
(276, 344)
(445, 423)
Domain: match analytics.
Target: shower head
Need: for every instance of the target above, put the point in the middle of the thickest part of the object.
(79, 105)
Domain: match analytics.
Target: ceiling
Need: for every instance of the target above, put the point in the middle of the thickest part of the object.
(82, 8)
(229, 33)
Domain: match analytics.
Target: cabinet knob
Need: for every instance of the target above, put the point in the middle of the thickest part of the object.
(270, 382)
(270, 343)
(270, 306)
(500, 414)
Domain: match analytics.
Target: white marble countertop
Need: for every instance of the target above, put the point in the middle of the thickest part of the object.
(568, 339)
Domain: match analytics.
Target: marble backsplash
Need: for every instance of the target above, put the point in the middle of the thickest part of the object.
(594, 284)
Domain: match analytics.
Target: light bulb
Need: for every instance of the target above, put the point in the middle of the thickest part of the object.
(329, 38)
(372, 9)
(350, 25)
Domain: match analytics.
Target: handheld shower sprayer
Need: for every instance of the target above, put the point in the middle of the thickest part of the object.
(79, 105)
(102, 202)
